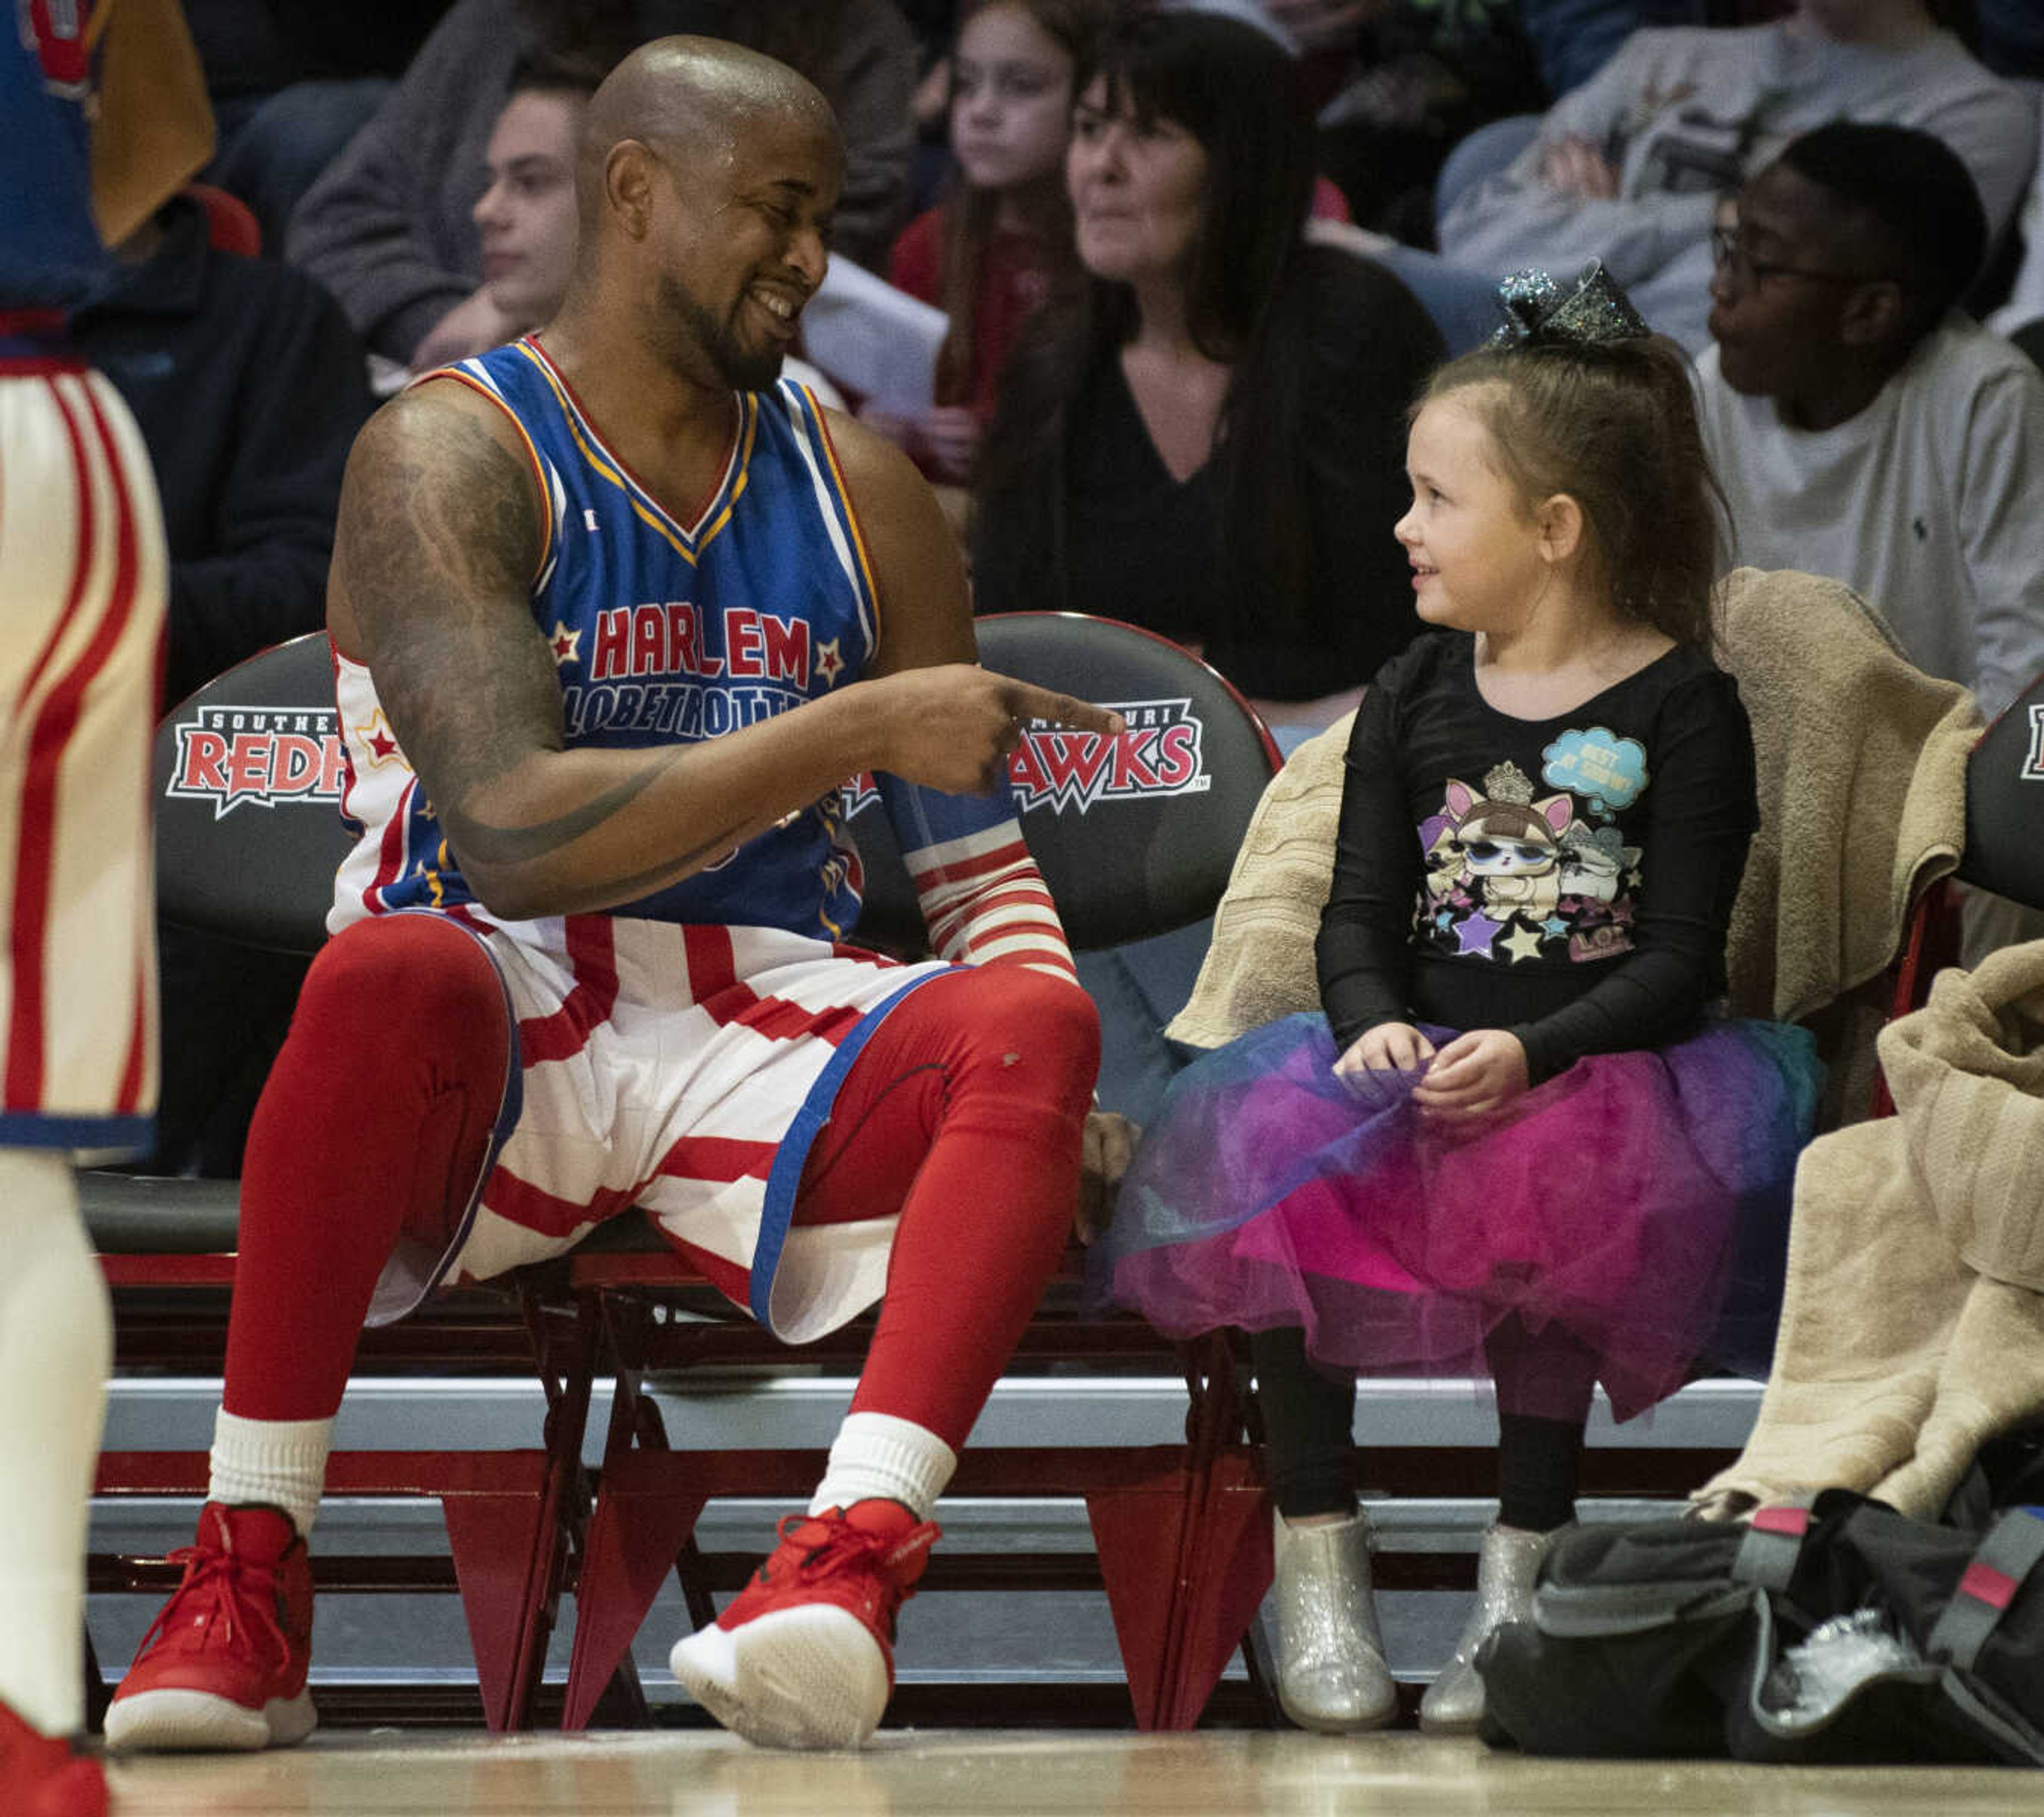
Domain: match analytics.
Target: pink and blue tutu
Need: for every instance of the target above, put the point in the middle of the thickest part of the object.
(1638, 1200)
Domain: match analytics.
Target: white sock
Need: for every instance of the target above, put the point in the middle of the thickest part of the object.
(281, 1463)
(876, 1455)
(56, 1348)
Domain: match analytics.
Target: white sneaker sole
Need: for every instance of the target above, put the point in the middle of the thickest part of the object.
(811, 1676)
(181, 1722)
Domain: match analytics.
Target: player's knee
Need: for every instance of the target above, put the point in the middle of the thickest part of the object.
(414, 969)
(1037, 1035)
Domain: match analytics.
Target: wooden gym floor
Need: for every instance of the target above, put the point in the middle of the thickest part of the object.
(1035, 1773)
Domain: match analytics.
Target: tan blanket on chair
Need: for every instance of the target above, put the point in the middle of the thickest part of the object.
(1913, 1327)
(1260, 965)
(1855, 747)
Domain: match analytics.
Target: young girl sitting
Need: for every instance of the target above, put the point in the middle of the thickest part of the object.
(986, 254)
(1517, 1139)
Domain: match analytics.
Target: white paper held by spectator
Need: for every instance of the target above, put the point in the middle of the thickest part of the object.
(873, 340)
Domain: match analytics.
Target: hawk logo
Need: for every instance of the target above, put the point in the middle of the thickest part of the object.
(1162, 753)
(228, 755)
(2033, 765)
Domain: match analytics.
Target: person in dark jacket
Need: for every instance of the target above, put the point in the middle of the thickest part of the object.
(249, 386)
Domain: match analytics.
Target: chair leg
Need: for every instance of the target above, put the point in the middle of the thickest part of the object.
(640, 1525)
(504, 1547)
(1139, 1533)
(1227, 1572)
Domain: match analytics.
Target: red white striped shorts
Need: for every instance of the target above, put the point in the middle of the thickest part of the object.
(660, 1065)
(82, 599)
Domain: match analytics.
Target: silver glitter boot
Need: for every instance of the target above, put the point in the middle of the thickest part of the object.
(1505, 1571)
(1330, 1670)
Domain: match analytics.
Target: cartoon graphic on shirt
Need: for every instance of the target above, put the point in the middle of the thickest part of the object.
(1513, 876)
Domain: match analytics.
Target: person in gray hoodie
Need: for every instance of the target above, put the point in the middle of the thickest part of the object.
(1628, 168)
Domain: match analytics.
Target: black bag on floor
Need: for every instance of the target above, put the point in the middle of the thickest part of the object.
(1832, 1630)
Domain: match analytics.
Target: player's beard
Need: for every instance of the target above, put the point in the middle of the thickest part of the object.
(696, 329)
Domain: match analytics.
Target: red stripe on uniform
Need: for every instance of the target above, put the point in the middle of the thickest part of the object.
(959, 869)
(390, 854)
(713, 966)
(35, 859)
(778, 1020)
(592, 951)
(127, 569)
(721, 1158)
(534, 1208)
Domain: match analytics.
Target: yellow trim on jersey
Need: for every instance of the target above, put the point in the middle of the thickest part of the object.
(844, 497)
(749, 402)
(675, 538)
(532, 454)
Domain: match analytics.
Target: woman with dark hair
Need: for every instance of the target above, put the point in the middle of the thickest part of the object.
(1202, 432)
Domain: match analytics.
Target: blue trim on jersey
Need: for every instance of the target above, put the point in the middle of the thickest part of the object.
(130, 1135)
(785, 1178)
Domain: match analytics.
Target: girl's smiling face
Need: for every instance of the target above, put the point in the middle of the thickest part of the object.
(1473, 542)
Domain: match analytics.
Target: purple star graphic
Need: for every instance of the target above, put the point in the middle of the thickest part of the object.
(1477, 932)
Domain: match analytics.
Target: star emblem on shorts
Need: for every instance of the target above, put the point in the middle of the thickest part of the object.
(378, 741)
(1523, 943)
(566, 644)
(828, 663)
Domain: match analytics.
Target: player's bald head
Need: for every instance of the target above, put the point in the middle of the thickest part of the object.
(691, 100)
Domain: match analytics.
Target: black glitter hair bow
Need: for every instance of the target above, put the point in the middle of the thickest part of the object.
(1538, 312)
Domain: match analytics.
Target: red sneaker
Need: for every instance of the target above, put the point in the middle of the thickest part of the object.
(805, 1657)
(224, 1666)
(39, 1776)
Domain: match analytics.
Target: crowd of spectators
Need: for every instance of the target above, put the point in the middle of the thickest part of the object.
(1160, 394)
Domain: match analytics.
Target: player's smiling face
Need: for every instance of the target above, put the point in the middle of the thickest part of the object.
(749, 253)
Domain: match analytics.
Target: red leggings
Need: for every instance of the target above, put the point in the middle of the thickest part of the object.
(964, 1111)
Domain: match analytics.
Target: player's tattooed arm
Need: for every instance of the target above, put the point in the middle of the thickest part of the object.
(440, 531)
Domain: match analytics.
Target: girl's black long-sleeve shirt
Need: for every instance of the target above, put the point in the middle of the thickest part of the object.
(1569, 880)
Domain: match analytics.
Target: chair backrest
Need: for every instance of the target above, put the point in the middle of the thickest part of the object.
(2004, 850)
(247, 783)
(1134, 835)
(231, 224)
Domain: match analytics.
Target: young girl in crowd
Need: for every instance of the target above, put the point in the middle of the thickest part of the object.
(1518, 1139)
(985, 255)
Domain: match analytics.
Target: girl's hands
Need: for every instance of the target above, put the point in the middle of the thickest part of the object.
(1482, 1071)
(1390, 1047)
(1477, 1073)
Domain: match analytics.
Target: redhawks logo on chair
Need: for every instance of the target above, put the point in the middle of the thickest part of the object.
(228, 755)
(2033, 765)
(1160, 754)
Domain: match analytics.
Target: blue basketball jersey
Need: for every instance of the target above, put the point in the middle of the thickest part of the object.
(50, 254)
(670, 633)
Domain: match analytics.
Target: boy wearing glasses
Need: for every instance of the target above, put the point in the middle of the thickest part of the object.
(1862, 427)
